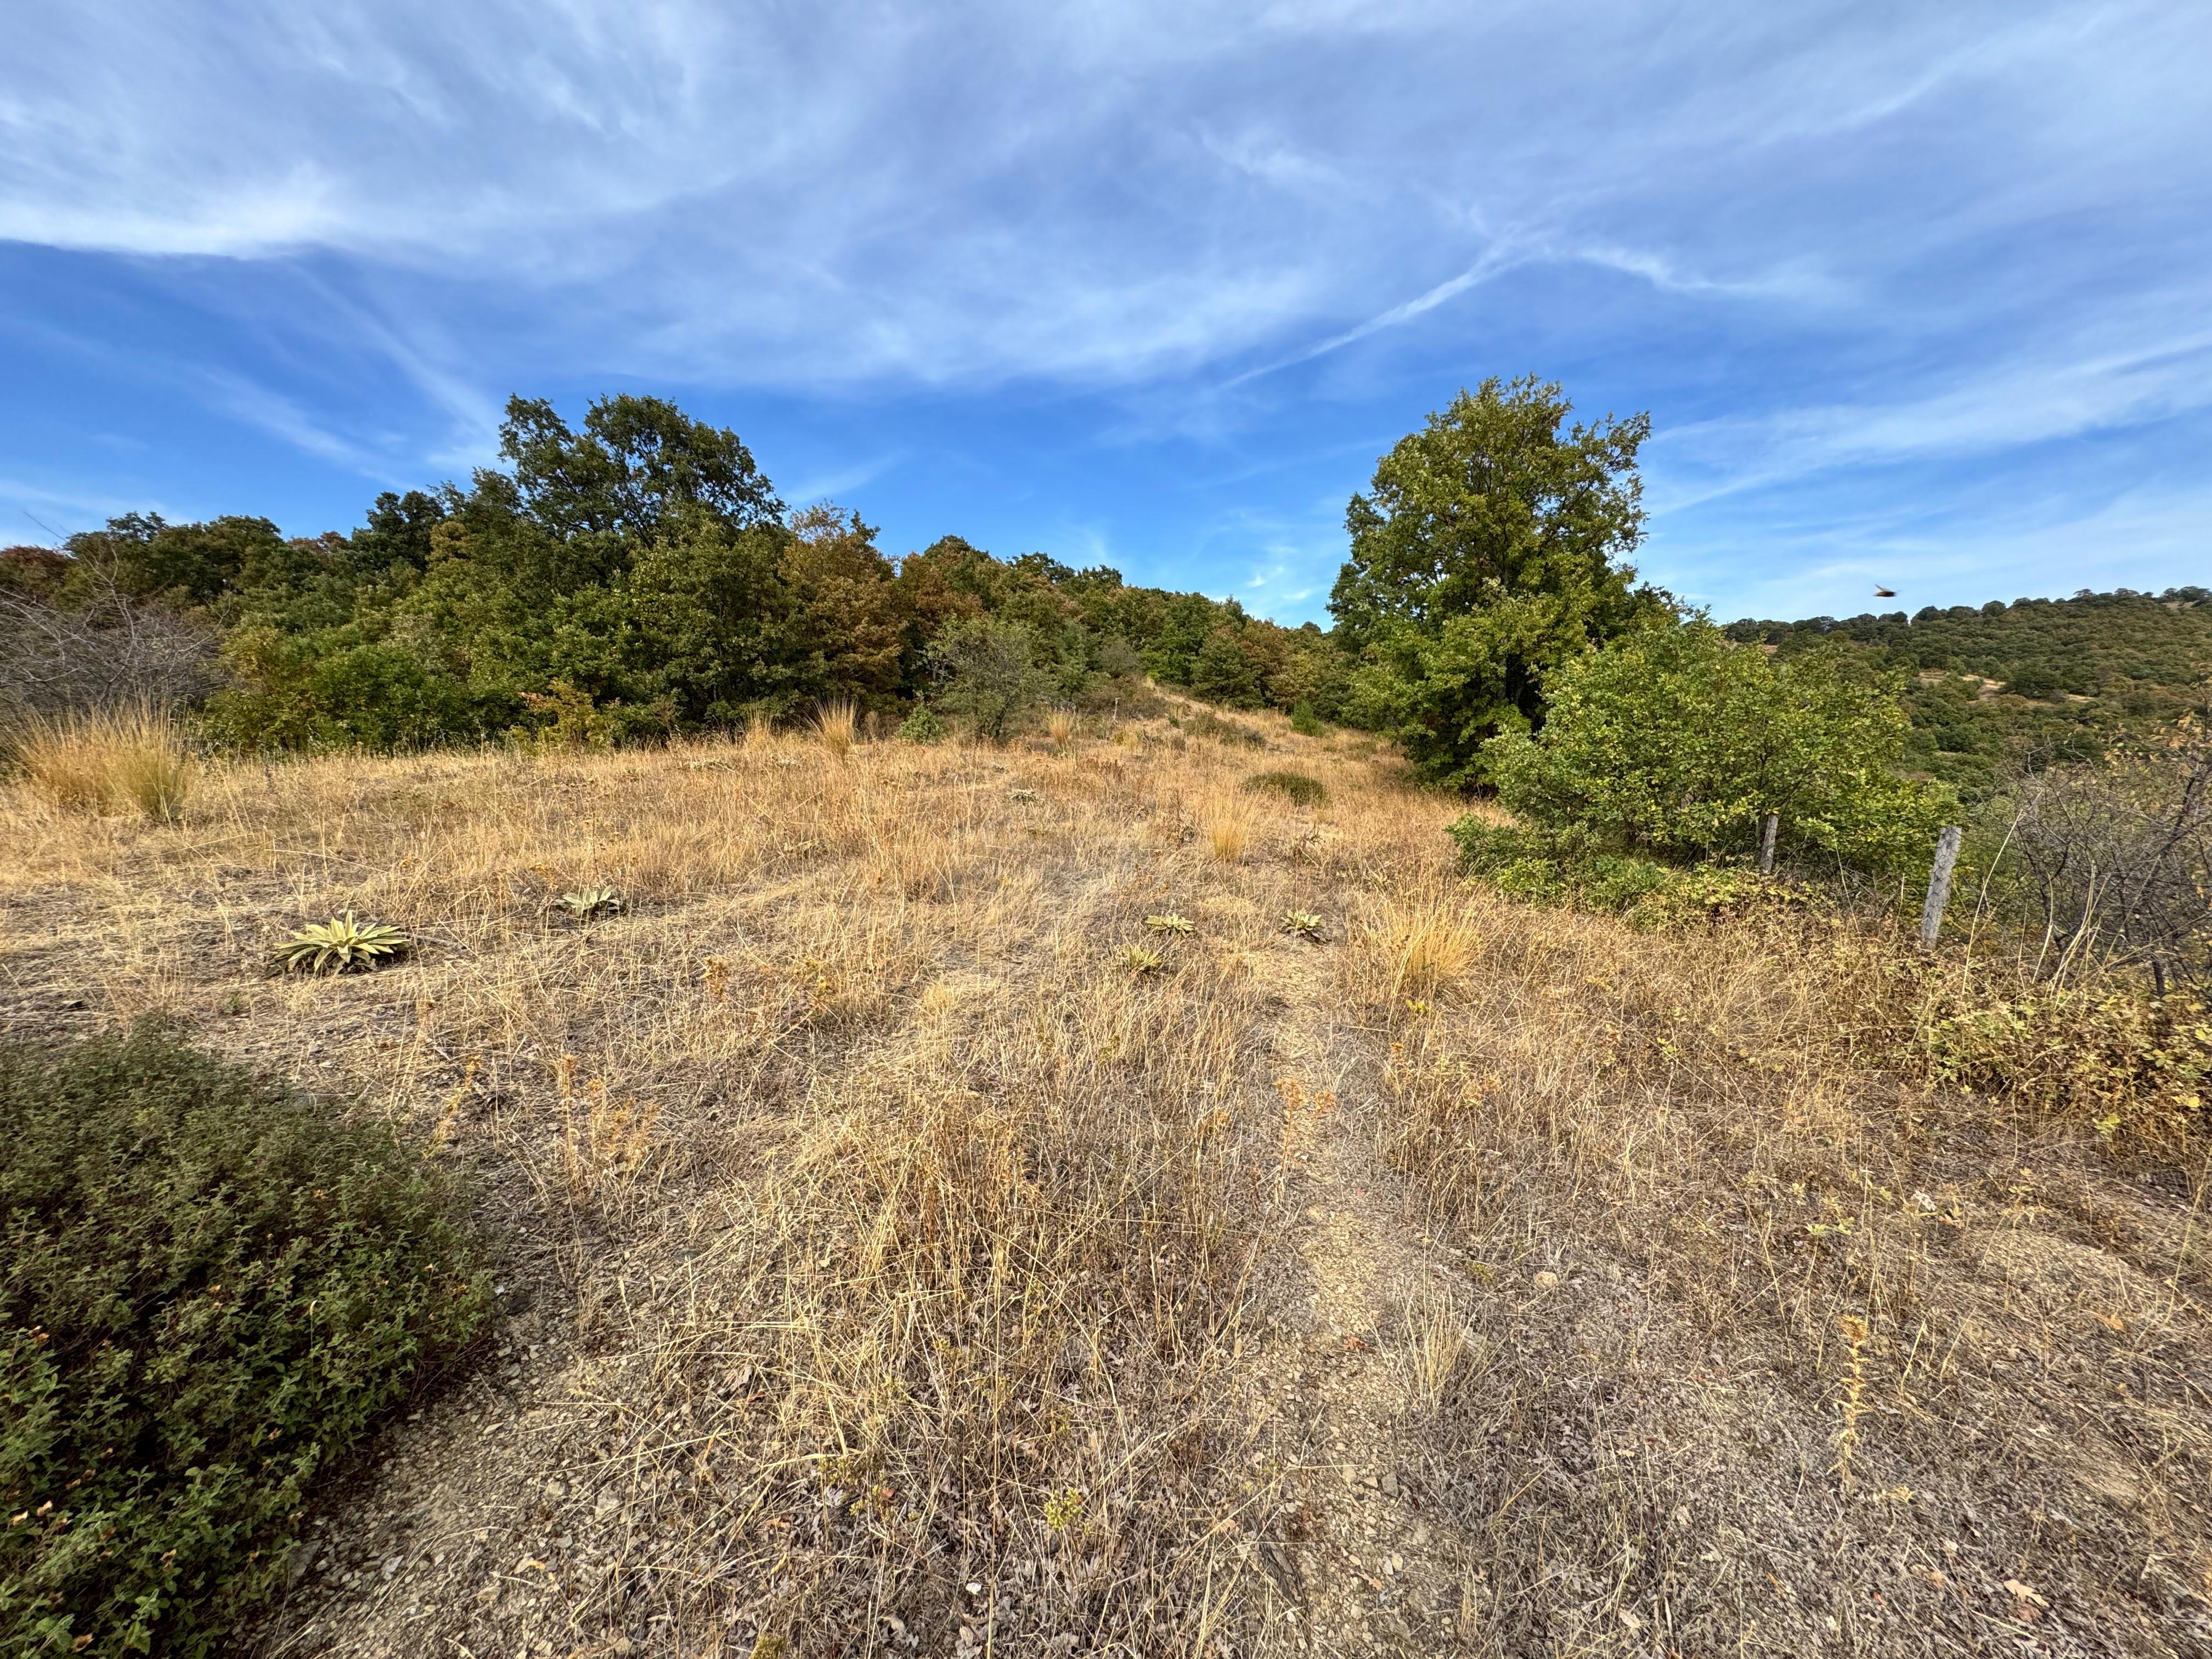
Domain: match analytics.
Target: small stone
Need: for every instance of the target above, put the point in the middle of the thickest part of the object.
(607, 1503)
(1547, 1281)
(392, 1563)
(1389, 1483)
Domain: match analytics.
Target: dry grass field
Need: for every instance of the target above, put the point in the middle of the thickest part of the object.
(914, 1240)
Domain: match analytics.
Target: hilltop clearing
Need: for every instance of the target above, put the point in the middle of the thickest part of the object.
(1056, 1200)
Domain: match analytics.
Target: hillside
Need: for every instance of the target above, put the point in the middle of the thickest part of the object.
(2046, 679)
(910, 1248)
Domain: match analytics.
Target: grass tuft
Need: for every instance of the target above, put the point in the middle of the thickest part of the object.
(837, 726)
(1226, 824)
(130, 758)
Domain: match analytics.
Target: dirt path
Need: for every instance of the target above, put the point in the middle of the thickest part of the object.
(1375, 1565)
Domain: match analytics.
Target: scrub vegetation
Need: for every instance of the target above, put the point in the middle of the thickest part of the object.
(888, 1264)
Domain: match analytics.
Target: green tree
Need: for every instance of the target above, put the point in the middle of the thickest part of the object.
(1672, 740)
(987, 671)
(1489, 550)
(1222, 672)
(636, 461)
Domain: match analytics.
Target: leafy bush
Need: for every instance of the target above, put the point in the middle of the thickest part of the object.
(922, 725)
(1561, 870)
(1300, 789)
(987, 671)
(209, 1290)
(1306, 723)
(1675, 741)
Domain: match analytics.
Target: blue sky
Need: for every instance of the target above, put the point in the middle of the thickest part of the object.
(1917, 295)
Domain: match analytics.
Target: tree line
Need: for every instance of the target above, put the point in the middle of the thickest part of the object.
(633, 578)
(636, 578)
(2048, 681)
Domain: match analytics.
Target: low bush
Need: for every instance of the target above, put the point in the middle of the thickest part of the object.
(1300, 789)
(209, 1290)
(2133, 1067)
(921, 726)
(1306, 723)
(1565, 870)
(1207, 724)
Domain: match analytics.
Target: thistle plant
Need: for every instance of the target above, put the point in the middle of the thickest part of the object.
(589, 902)
(1170, 923)
(1303, 922)
(342, 945)
(1138, 960)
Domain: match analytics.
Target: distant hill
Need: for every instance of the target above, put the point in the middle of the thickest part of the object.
(2055, 678)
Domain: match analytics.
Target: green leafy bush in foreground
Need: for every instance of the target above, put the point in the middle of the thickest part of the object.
(209, 1290)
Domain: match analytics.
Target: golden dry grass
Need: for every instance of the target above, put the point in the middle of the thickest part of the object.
(891, 1269)
(1227, 822)
(837, 726)
(123, 759)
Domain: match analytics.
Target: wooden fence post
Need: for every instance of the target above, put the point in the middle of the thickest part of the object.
(1939, 885)
(1766, 843)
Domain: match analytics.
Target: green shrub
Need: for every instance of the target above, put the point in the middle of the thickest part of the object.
(209, 1290)
(1674, 742)
(1303, 791)
(922, 725)
(1306, 723)
(1563, 869)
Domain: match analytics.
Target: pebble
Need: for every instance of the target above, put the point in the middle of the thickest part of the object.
(1389, 1483)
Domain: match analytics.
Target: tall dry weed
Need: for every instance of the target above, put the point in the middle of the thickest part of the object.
(1226, 823)
(111, 760)
(836, 727)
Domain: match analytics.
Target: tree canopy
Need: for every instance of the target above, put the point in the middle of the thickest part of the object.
(1490, 549)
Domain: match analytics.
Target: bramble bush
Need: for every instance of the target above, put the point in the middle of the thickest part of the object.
(209, 1289)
